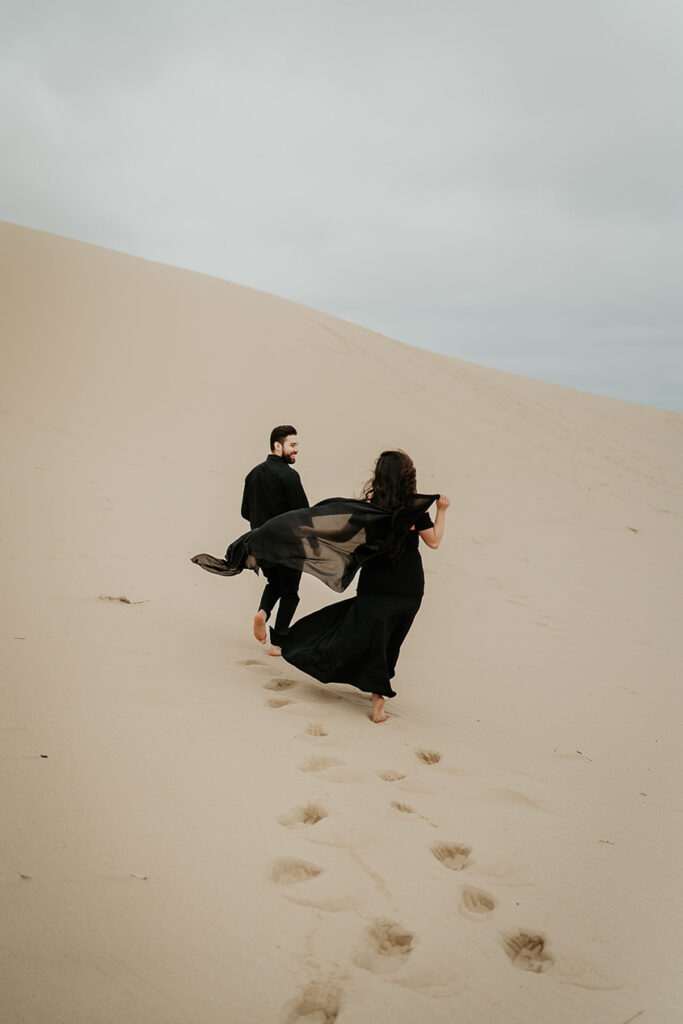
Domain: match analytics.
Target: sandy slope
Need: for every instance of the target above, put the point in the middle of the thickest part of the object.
(193, 832)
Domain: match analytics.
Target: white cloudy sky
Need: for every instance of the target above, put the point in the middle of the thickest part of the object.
(495, 179)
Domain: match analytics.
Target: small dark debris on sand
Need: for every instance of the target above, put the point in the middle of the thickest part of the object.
(122, 600)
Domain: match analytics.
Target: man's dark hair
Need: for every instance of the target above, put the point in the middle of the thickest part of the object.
(280, 433)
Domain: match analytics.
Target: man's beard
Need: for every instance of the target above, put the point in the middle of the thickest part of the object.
(289, 459)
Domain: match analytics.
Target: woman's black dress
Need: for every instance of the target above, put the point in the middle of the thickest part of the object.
(358, 641)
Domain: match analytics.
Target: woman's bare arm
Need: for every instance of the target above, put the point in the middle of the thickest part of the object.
(434, 535)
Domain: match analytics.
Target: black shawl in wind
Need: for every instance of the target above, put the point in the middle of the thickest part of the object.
(330, 540)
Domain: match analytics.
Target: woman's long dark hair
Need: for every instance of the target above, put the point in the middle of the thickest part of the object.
(393, 482)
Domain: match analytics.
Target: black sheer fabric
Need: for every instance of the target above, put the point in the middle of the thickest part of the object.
(330, 540)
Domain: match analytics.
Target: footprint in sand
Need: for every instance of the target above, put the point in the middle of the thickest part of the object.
(291, 871)
(257, 667)
(320, 695)
(279, 702)
(527, 952)
(335, 770)
(384, 948)
(319, 1003)
(319, 764)
(408, 810)
(279, 684)
(409, 783)
(428, 756)
(389, 775)
(476, 904)
(315, 729)
(309, 885)
(452, 855)
(300, 817)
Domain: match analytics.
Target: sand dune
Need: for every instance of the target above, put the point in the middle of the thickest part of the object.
(194, 832)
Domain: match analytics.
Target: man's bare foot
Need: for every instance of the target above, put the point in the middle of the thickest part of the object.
(260, 631)
(275, 652)
(377, 706)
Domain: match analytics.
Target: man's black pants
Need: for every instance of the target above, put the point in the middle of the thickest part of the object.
(282, 586)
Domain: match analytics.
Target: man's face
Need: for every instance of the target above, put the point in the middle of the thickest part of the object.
(289, 449)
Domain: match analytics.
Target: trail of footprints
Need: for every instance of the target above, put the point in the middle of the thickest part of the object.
(384, 946)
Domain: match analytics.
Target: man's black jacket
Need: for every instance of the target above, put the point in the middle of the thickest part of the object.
(270, 489)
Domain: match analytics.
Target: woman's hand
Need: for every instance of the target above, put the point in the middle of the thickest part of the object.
(443, 502)
(303, 531)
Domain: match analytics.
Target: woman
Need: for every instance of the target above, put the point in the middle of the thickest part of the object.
(358, 641)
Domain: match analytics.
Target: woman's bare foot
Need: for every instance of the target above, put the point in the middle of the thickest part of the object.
(377, 705)
(275, 652)
(260, 631)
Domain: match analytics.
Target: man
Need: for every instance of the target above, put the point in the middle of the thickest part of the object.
(271, 488)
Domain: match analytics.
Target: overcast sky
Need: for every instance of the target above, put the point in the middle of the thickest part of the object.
(497, 180)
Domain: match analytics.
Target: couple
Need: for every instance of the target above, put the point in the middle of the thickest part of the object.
(356, 641)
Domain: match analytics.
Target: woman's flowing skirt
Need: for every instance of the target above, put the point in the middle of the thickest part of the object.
(355, 641)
